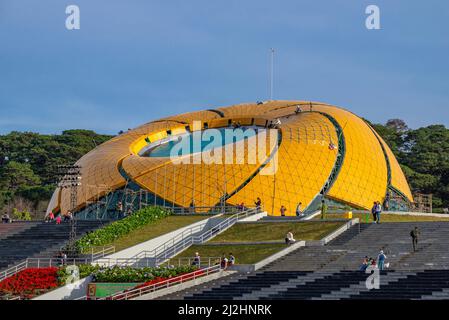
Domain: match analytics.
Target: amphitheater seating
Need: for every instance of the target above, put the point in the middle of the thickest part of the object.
(38, 239)
(331, 271)
(427, 284)
(8, 229)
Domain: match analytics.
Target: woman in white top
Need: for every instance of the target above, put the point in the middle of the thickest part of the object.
(289, 238)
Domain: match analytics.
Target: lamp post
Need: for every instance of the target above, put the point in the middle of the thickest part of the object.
(70, 178)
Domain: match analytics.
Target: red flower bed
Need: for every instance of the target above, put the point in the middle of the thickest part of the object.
(30, 282)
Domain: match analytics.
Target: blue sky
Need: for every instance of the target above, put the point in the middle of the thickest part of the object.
(138, 60)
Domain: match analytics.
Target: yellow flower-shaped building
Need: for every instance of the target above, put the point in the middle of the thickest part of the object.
(320, 150)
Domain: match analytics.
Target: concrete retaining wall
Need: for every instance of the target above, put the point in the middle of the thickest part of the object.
(246, 268)
(68, 292)
(418, 214)
(254, 217)
(340, 230)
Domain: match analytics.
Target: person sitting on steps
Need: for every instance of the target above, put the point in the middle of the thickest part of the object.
(365, 264)
(6, 218)
(231, 259)
(224, 261)
(289, 239)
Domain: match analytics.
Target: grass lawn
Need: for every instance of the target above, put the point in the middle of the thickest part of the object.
(153, 230)
(274, 231)
(244, 254)
(389, 218)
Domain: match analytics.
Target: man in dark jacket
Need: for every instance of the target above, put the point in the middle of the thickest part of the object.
(414, 234)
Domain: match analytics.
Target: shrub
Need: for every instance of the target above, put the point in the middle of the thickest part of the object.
(120, 228)
(21, 215)
(129, 274)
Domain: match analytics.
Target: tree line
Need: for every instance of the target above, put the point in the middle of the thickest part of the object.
(28, 163)
(423, 155)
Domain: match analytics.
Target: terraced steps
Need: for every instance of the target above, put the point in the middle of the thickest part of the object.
(331, 271)
(40, 240)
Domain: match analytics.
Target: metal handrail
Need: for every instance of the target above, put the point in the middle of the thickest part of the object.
(167, 251)
(204, 210)
(181, 242)
(180, 237)
(105, 250)
(49, 262)
(13, 270)
(163, 284)
(204, 261)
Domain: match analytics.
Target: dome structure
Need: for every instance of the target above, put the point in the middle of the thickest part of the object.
(318, 151)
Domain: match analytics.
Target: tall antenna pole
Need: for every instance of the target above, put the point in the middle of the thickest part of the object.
(271, 72)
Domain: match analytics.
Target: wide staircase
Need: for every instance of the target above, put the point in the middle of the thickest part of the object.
(37, 239)
(8, 229)
(331, 271)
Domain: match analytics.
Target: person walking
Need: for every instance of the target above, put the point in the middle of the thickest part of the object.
(298, 210)
(414, 234)
(323, 209)
(51, 216)
(283, 209)
(58, 219)
(373, 211)
(365, 264)
(381, 260)
(258, 203)
(196, 260)
(192, 207)
(119, 209)
(378, 211)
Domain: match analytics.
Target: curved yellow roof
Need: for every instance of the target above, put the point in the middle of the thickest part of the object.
(321, 149)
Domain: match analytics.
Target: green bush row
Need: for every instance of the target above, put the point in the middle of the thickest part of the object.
(118, 274)
(122, 227)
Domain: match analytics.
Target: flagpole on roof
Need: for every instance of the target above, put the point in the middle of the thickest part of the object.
(271, 72)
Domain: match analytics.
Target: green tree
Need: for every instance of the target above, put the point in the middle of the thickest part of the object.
(423, 154)
(15, 175)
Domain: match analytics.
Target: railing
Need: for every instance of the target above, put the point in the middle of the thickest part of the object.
(144, 258)
(185, 240)
(103, 251)
(205, 262)
(13, 270)
(54, 262)
(205, 210)
(163, 284)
